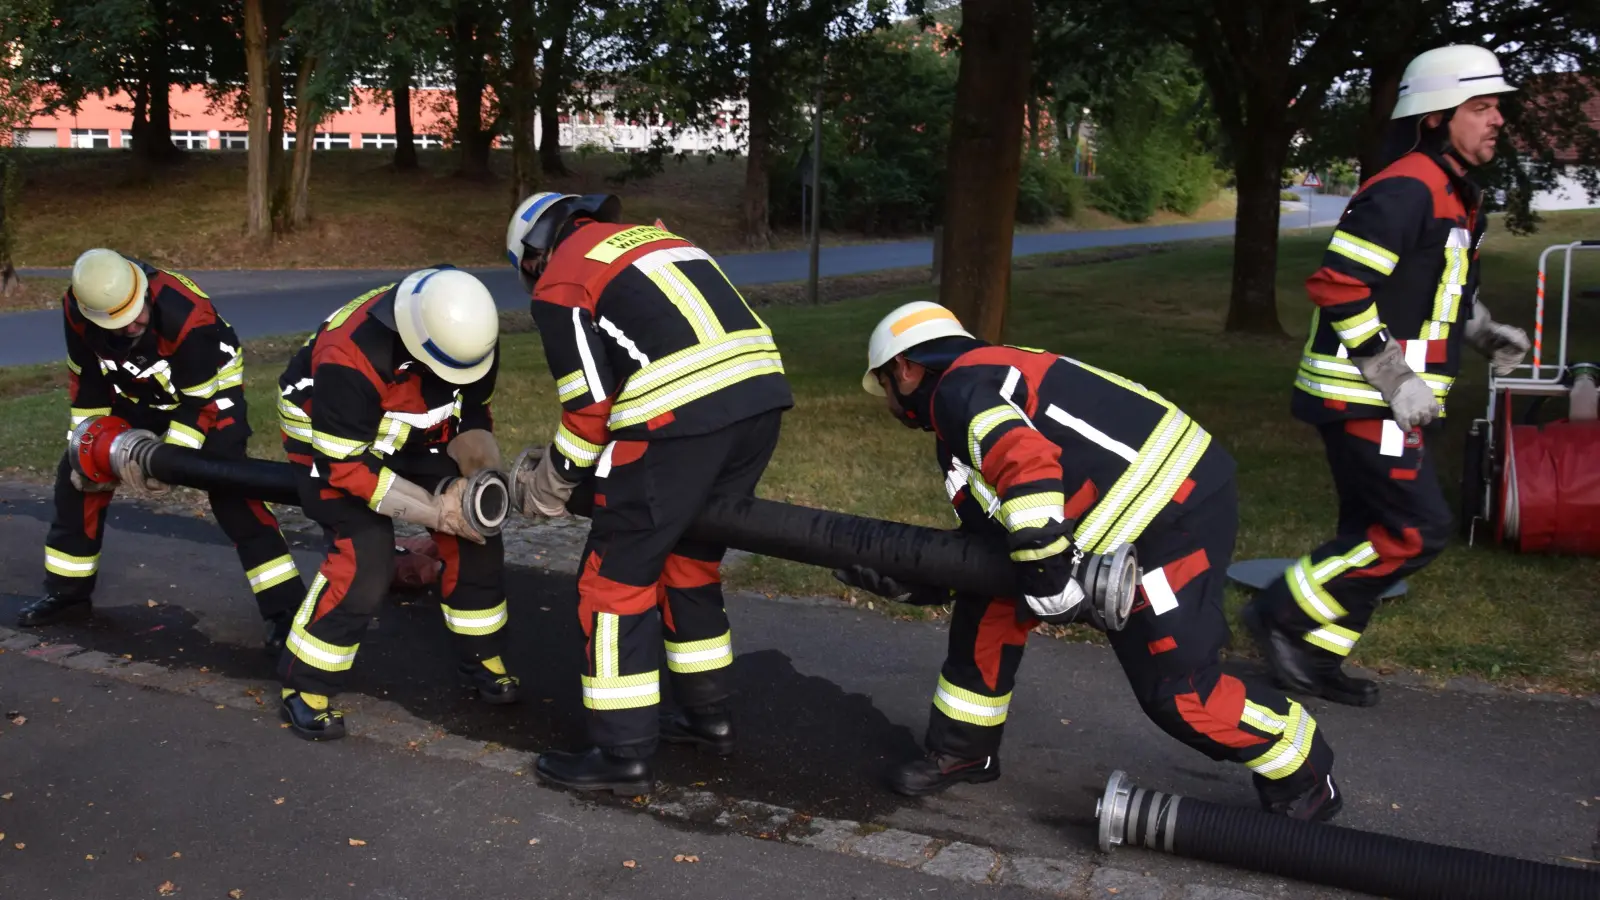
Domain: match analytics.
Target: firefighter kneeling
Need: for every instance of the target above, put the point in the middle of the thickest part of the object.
(398, 375)
(1067, 460)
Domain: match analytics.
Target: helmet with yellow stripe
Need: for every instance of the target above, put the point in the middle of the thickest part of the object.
(909, 325)
(110, 290)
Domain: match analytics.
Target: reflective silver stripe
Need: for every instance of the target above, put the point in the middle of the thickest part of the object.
(1090, 432)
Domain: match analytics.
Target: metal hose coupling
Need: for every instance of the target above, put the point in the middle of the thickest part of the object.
(485, 502)
(1110, 581)
(100, 446)
(526, 462)
(1134, 816)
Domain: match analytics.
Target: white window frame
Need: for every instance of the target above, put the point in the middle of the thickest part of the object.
(378, 142)
(328, 140)
(87, 138)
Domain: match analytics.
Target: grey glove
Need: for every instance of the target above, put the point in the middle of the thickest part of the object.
(89, 487)
(1409, 397)
(872, 582)
(452, 512)
(406, 501)
(132, 477)
(1505, 345)
(539, 490)
(474, 451)
(1066, 605)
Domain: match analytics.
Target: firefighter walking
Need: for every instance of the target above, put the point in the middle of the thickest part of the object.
(387, 402)
(671, 390)
(147, 345)
(1065, 459)
(1396, 297)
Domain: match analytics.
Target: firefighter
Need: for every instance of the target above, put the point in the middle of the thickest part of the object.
(385, 404)
(671, 390)
(147, 345)
(1064, 459)
(1396, 297)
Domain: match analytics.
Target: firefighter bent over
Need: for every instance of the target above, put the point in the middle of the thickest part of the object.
(1065, 459)
(1395, 298)
(671, 390)
(387, 402)
(148, 346)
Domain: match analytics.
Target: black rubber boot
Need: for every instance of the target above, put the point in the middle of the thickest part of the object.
(1299, 668)
(1319, 802)
(308, 722)
(595, 770)
(711, 731)
(277, 636)
(938, 771)
(491, 687)
(50, 609)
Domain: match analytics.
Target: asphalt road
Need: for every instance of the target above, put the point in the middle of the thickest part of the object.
(828, 696)
(259, 303)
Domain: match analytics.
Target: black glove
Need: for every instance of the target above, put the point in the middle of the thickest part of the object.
(913, 594)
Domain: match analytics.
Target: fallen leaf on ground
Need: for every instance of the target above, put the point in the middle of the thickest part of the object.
(55, 699)
(20, 720)
(278, 802)
(1394, 806)
(149, 603)
(127, 656)
(166, 888)
(19, 845)
(532, 841)
(626, 864)
(6, 796)
(1066, 721)
(88, 856)
(177, 855)
(138, 857)
(220, 706)
(236, 894)
(357, 842)
(685, 858)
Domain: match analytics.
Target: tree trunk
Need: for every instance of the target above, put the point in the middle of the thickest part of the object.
(277, 167)
(141, 116)
(757, 227)
(158, 145)
(405, 147)
(471, 82)
(10, 282)
(553, 86)
(307, 115)
(985, 161)
(523, 101)
(258, 219)
(1253, 305)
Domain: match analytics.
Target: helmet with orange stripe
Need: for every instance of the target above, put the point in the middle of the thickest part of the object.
(109, 289)
(925, 334)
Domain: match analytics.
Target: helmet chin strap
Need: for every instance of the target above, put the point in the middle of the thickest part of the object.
(916, 408)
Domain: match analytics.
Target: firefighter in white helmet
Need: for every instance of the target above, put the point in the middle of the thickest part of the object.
(1396, 298)
(147, 345)
(385, 402)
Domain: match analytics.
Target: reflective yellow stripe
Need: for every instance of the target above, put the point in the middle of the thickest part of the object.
(700, 656)
(622, 692)
(1045, 552)
(386, 479)
(1168, 480)
(1262, 718)
(1033, 510)
(1453, 279)
(685, 363)
(1362, 251)
(314, 652)
(581, 452)
(474, 621)
(607, 649)
(73, 367)
(1334, 638)
(392, 435)
(272, 573)
(966, 706)
(706, 381)
(572, 385)
(1288, 753)
(79, 413)
(68, 566)
(293, 421)
(1306, 581)
(183, 436)
(612, 248)
(671, 281)
(982, 424)
(335, 446)
(1359, 327)
(230, 375)
(1169, 454)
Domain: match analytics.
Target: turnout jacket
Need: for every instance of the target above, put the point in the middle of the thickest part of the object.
(358, 409)
(1402, 265)
(186, 370)
(1061, 454)
(647, 339)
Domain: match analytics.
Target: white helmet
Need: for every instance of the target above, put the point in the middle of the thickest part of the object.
(109, 289)
(1447, 77)
(537, 222)
(523, 220)
(909, 325)
(449, 322)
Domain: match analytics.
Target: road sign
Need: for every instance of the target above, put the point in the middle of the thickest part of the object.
(1311, 180)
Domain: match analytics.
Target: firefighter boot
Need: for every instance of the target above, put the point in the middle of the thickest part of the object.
(311, 717)
(1299, 668)
(595, 770)
(708, 728)
(491, 682)
(50, 609)
(937, 771)
(1316, 799)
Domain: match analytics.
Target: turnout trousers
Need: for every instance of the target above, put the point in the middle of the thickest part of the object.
(355, 577)
(645, 588)
(72, 547)
(1393, 520)
(1169, 650)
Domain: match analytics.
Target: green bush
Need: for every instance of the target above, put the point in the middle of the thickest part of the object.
(1047, 189)
(1131, 182)
(1191, 183)
(1289, 196)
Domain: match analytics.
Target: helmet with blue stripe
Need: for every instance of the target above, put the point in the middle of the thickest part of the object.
(536, 226)
(448, 321)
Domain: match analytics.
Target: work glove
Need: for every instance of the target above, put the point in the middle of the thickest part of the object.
(1505, 345)
(474, 451)
(872, 582)
(89, 487)
(406, 501)
(540, 490)
(1410, 399)
(135, 480)
(1063, 606)
(1051, 590)
(453, 514)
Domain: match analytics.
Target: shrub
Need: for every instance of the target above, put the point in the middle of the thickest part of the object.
(1047, 189)
(1190, 184)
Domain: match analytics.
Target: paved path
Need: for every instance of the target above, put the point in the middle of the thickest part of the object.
(827, 697)
(266, 302)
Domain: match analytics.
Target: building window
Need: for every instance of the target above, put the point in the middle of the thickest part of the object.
(288, 140)
(127, 139)
(427, 141)
(33, 137)
(191, 140)
(234, 140)
(91, 138)
(326, 141)
(377, 142)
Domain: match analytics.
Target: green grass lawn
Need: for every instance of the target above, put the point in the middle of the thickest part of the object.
(1155, 318)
